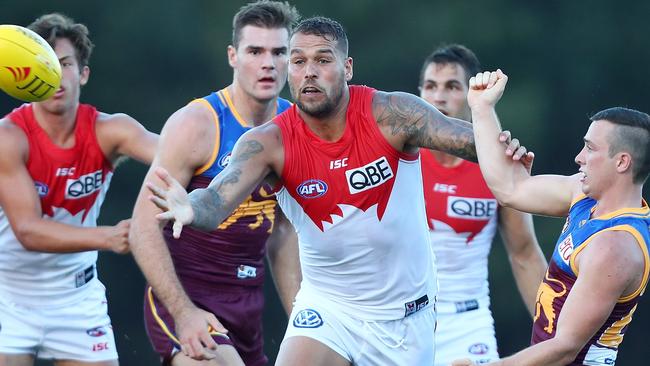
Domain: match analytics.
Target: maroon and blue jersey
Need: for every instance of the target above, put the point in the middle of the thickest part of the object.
(234, 253)
(579, 229)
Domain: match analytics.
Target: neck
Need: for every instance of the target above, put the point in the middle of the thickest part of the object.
(446, 160)
(58, 126)
(617, 198)
(255, 112)
(331, 127)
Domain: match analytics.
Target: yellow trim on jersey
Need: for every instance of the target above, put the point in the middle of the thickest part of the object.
(163, 326)
(613, 335)
(637, 211)
(217, 143)
(238, 117)
(575, 200)
(226, 95)
(642, 244)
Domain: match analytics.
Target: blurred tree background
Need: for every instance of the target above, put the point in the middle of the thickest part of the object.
(566, 60)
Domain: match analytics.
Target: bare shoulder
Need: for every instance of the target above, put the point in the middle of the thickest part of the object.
(193, 116)
(14, 141)
(615, 256)
(399, 111)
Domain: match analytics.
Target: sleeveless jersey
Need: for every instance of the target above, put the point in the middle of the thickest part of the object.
(462, 218)
(357, 206)
(578, 231)
(234, 253)
(71, 184)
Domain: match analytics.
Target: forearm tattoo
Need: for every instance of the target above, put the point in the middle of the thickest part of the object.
(423, 125)
(213, 204)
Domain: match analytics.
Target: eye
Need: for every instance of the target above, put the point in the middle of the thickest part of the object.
(297, 61)
(324, 61)
(280, 52)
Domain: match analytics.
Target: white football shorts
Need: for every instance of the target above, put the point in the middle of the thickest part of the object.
(79, 331)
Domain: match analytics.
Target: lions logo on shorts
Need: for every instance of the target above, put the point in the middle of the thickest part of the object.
(307, 318)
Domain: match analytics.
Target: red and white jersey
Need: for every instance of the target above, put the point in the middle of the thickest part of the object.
(71, 184)
(462, 218)
(357, 207)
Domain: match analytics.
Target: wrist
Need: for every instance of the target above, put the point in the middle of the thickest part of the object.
(482, 110)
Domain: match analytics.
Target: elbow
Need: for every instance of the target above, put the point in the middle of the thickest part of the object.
(566, 349)
(27, 237)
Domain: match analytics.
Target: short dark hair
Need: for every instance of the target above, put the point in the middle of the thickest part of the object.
(263, 14)
(55, 25)
(453, 54)
(632, 134)
(324, 27)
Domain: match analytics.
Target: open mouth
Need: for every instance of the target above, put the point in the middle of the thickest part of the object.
(310, 90)
(266, 80)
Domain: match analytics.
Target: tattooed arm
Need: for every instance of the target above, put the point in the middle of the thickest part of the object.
(257, 153)
(408, 122)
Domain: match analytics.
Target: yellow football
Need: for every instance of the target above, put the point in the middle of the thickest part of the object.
(29, 68)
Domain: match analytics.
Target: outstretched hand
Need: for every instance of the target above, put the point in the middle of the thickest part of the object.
(173, 200)
(486, 88)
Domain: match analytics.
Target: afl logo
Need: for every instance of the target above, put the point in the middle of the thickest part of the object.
(41, 188)
(312, 188)
(96, 332)
(478, 349)
(307, 318)
(225, 160)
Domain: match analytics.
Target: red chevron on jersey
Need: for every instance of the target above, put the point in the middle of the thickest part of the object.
(356, 172)
(71, 182)
(456, 198)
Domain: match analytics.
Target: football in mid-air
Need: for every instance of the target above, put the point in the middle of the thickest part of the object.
(29, 68)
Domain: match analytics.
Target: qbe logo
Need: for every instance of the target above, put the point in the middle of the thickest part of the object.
(369, 176)
(96, 332)
(307, 318)
(471, 208)
(84, 185)
(312, 188)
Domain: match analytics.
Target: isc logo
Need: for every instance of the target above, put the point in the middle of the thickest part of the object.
(369, 176)
(471, 208)
(312, 188)
(84, 185)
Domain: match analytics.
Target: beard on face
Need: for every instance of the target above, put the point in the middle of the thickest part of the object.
(319, 109)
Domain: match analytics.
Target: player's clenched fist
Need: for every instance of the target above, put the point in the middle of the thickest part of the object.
(118, 238)
(486, 88)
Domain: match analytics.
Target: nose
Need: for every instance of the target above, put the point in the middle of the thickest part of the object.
(310, 71)
(268, 62)
(580, 158)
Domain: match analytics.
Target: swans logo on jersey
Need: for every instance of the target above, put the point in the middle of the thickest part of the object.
(41, 189)
(225, 160)
(84, 185)
(307, 318)
(312, 188)
(369, 176)
(96, 332)
(471, 208)
(478, 349)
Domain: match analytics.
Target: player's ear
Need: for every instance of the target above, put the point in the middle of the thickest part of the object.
(85, 74)
(348, 69)
(623, 162)
(232, 55)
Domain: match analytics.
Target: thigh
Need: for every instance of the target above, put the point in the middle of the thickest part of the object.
(16, 360)
(300, 350)
(466, 335)
(226, 355)
(82, 333)
(318, 326)
(240, 313)
(406, 341)
(21, 332)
